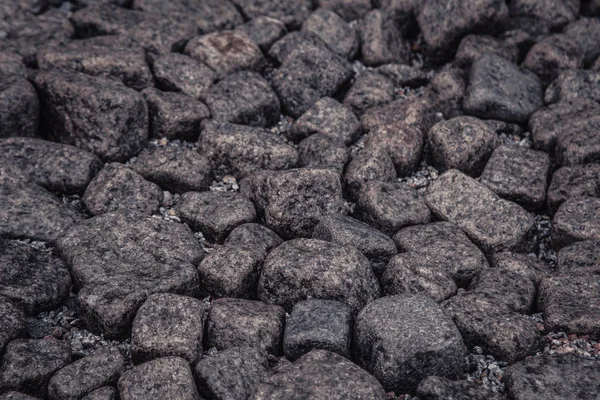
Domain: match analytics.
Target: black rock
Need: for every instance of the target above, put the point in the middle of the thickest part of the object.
(176, 169)
(557, 13)
(370, 89)
(254, 235)
(264, 31)
(215, 214)
(176, 332)
(318, 324)
(576, 181)
(499, 89)
(436, 388)
(56, 167)
(95, 114)
(244, 98)
(237, 322)
(300, 269)
(180, 73)
(19, 108)
(370, 164)
(552, 55)
(575, 220)
(103, 367)
(381, 40)
(28, 364)
(320, 151)
(406, 331)
(13, 320)
(574, 85)
(233, 373)
(118, 187)
(165, 378)
(174, 115)
(334, 31)
(474, 46)
(104, 393)
(320, 374)
(580, 258)
(291, 12)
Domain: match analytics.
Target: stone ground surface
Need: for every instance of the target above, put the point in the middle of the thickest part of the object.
(296, 199)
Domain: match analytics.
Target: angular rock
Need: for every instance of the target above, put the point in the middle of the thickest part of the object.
(334, 31)
(329, 118)
(320, 151)
(215, 214)
(370, 164)
(13, 322)
(28, 364)
(518, 174)
(490, 222)
(576, 181)
(102, 367)
(574, 85)
(293, 202)
(19, 108)
(56, 167)
(104, 393)
(552, 55)
(173, 373)
(580, 258)
(370, 89)
(168, 325)
(244, 98)
(233, 373)
(264, 31)
(318, 324)
(523, 32)
(237, 322)
(580, 144)
(118, 259)
(575, 220)
(462, 143)
(300, 269)
(390, 207)
(301, 41)
(95, 114)
(557, 13)
(176, 169)
(474, 46)
(586, 33)
(246, 149)
(347, 231)
(446, 92)
(180, 73)
(381, 40)
(347, 9)
(320, 374)
(291, 12)
(436, 388)
(507, 288)
(174, 115)
(403, 75)
(521, 264)
(403, 339)
(254, 235)
(226, 52)
(118, 187)
(32, 279)
(499, 89)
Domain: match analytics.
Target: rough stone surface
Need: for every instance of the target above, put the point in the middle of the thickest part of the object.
(370, 164)
(436, 388)
(403, 339)
(521, 264)
(104, 393)
(474, 46)
(579, 144)
(300, 269)
(254, 235)
(573, 85)
(580, 258)
(12, 395)
(586, 33)
(370, 89)
(291, 12)
(552, 55)
(575, 181)
(14, 322)
(507, 288)
(264, 31)
(238, 322)
(320, 151)
(19, 108)
(180, 73)
(575, 220)
(347, 9)
(381, 40)
(403, 75)
(334, 31)
(557, 13)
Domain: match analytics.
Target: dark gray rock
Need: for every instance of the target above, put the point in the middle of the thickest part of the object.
(576, 181)
(347, 9)
(446, 93)
(95, 114)
(320, 151)
(523, 32)
(226, 52)
(11, 65)
(29, 211)
(580, 258)
(569, 302)
(320, 374)
(370, 89)
(403, 339)
(238, 322)
(246, 149)
(491, 223)
(474, 46)
(233, 373)
(104, 393)
(498, 331)
(173, 373)
(525, 265)
(122, 60)
(180, 73)
(264, 31)
(370, 164)
(301, 41)
(436, 388)
(13, 322)
(518, 174)
(586, 33)
(254, 235)
(12, 395)
(573, 85)
(231, 271)
(19, 108)
(118, 259)
(318, 324)
(507, 288)
(499, 89)
(334, 31)
(579, 144)
(293, 202)
(103, 367)
(444, 246)
(381, 40)
(390, 207)
(404, 75)
(552, 55)
(557, 13)
(303, 269)
(244, 98)
(56, 167)
(215, 214)
(168, 325)
(176, 169)
(462, 143)
(329, 118)
(174, 115)
(556, 377)
(32, 279)
(118, 187)
(28, 364)
(291, 12)
(575, 220)
(347, 231)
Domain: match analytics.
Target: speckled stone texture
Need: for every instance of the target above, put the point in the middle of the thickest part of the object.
(573, 85)
(322, 152)
(579, 144)
(334, 31)
(264, 31)
(104, 393)
(19, 107)
(180, 73)
(370, 89)
(436, 388)
(474, 46)
(369, 164)
(580, 258)
(524, 265)
(576, 181)
(14, 322)
(254, 235)
(552, 55)
(575, 220)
